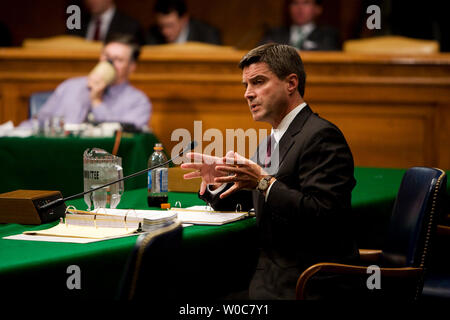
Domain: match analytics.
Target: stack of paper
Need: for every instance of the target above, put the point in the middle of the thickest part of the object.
(101, 224)
(204, 215)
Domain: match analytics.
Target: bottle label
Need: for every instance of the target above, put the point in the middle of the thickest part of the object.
(158, 180)
(164, 183)
(149, 181)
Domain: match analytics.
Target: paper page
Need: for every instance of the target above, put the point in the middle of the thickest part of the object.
(131, 213)
(193, 214)
(67, 230)
(51, 238)
(213, 218)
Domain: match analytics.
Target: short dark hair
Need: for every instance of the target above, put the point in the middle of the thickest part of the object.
(128, 40)
(282, 60)
(168, 6)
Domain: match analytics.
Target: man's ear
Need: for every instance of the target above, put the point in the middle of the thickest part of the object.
(292, 83)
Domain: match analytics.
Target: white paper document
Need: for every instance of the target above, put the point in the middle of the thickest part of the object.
(193, 215)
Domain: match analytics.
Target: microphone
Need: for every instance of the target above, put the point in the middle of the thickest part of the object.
(59, 201)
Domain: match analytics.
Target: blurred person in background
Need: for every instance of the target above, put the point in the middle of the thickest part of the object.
(80, 99)
(174, 25)
(102, 19)
(302, 32)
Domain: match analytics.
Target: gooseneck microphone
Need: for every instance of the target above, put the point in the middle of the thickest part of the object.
(57, 202)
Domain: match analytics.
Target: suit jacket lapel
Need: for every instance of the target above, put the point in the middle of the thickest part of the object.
(294, 128)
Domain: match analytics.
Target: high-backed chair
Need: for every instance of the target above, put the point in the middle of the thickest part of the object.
(37, 100)
(153, 266)
(403, 260)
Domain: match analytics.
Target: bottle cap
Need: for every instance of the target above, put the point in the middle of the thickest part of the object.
(165, 205)
(158, 146)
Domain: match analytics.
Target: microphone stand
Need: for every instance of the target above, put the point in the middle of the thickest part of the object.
(57, 202)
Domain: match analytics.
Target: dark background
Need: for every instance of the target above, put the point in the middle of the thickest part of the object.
(241, 23)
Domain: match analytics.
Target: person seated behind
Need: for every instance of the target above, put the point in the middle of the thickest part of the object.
(303, 33)
(80, 98)
(103, 20)
(174, 25)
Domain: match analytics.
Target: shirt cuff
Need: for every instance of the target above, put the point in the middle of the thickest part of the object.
(268, 190)
(216, 191)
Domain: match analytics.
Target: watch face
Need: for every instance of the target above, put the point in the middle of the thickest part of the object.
(263, 184)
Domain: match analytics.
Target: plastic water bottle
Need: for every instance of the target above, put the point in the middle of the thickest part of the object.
(157, 178)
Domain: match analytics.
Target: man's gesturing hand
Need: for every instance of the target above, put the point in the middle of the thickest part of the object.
(206, 169)
(243, 173)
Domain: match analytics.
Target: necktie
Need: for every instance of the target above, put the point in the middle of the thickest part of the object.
(98, 24)
(300, 38)
(268, 151)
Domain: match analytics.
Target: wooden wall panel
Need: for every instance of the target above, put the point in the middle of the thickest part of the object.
(375, 133)
(394, 111)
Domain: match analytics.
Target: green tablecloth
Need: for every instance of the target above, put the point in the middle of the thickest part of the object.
(42, 163)
(216, 259)
(207, 251)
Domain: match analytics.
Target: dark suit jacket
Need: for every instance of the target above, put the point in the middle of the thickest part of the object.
(321, 38)
(120, 23)
(307, 216)
(198, 31)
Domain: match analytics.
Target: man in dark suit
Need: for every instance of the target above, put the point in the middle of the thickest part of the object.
(302, 32)
(174, 25)
(103, 20)
(301, 189)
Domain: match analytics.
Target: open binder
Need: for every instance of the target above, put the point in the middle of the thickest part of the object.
(92, 226)
(201, 215)
(87, 226)
(204, 215)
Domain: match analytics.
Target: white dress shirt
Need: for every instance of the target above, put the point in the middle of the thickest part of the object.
(282, 128)
(106, 18)
(183, 36)
(298, 33)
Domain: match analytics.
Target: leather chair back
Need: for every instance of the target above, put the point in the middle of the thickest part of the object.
(37, 100)
(413, 221)
(153, 266)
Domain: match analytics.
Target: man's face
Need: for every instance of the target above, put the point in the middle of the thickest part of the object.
(120, 55)
(171, 25)
(266, 94)
(98, 6)
(304, 11)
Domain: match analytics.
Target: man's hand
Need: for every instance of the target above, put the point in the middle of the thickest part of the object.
(243, 173)
(206, 169)
(96, 86)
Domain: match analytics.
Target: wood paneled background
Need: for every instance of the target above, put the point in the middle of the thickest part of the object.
(393, 110)
(241, 23)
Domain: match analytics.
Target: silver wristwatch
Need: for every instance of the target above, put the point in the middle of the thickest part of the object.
(263, 184)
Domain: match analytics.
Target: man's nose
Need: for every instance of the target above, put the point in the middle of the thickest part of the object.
(249, 93)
